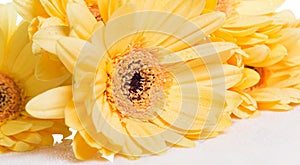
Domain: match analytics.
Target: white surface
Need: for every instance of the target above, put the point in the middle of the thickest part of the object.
(273, 138)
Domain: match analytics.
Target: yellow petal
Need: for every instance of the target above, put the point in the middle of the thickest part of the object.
(68, 50)
(59, 127)
(29, 9)
(47, 37)
(131, 148)
(6, 141)
(71, 117)
(21, 147)
(275, 106)
(265, 95)
(108, 123)
(16, 45)
(257, 54)
(107, 8)
(33, 138)
(14, 127)
(242, 112)
(147, 135)
(43, 107)
(50, 68)
(83, 22)
(240, 32)
(285, 17)
(177, 140)
(289, 37)
(55, 8)
(258, 7)
(33, 86)
(216, 52)
(81, 149)
(2, 48)
(193, 31)
(41, 23)
(23, 64)
(278, 52)
(47, 139)
(256, 38)
(250, 78)
(89, 140)
(210, 6)
(185, 9)
(38, 125)
(233, 100)
(8, 19)
(248, 22)
(2, 150)
(249, 102)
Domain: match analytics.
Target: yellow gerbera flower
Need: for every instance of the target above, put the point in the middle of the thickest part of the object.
(44, 14)
(159, 82)
(18, 130)
(261, 33)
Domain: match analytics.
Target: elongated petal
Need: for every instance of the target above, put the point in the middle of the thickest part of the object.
(14, 127)
(68, 50)
(21, 147)
(177, 139)
(258, 7)
(248, 22)
(29, 9)
(33, 138)
(38, 125)
(147, 135)
(47, 37)
(81, 149)
(71, 117)
(215, 52)
(249, 79)
(50, 68)
(83, 28)
(8, 20)
(22, 66)
(43, 107)
(6, 141)
(55, 8)
(16, 45)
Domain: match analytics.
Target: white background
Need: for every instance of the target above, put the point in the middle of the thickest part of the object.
(273, 138)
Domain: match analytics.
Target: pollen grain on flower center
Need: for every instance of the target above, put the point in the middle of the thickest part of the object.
(138, 85)
(10, 98)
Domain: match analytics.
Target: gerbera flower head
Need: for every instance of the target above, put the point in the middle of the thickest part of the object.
(141, 99)
(18, 130)
(156, 82)
(263, 34)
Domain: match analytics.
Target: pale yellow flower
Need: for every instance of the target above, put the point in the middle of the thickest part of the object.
(18, 130)
(178, 96)
(263, 35)
(44, 14)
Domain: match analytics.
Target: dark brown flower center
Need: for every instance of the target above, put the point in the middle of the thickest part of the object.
(137, 85)
(10, 98)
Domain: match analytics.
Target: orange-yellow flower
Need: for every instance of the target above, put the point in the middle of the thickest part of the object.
(159, 82)
(18, 130)
(265, 36)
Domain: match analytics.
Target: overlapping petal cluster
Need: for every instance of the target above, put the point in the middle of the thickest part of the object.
(136, 77)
